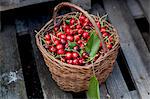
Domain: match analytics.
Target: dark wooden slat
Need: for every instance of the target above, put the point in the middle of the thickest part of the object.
(10, 64)
(11, 4)
(132, 44)
(145, 4)
(116, 85)
(21, 27)
(135, 9)
(49, 87)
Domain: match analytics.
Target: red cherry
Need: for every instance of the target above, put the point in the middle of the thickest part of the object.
(86, 20)
(88, 37)
(81, 45)
(79, 42)
(60, 51)
(72, 21)
(69, 61)
(85, 23)
(82, 18)
(56, 29)
(64, 27)
(99, 25)
(67, 30)
(85, 35)
(68, 55)
(77, 37)
(110, 38)
(66, 46)
(78, 26)
(72, 32)
(56, 42)
(52, 49)
(59, 46)
(63, 41)
(70, 38)
(87, 27)
(109, 46)
(105, 34)
(80, 31)
(59, 34)
(76, 48)
(103, 30)
(54, 38)
(85, 55)
(75, 62)
(100, 44)
(81, 61)
(47, 37)
(48, 42)
(75, 55)
(63, 36)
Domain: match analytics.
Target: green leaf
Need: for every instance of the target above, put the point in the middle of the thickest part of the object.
(95, 46)
(92, 45)
(72, 44)
(89, 43)
(67, 21)
(93, 90)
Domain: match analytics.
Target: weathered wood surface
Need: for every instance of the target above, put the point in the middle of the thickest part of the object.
(145, 4)
(135, 8)
(146, 37)
(11, 4)
(116, 85)
(49, 87)
(85, 4)
(134, 94)
(12, 84)
(132, 44)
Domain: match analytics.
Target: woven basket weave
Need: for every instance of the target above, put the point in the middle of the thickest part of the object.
(74, 77)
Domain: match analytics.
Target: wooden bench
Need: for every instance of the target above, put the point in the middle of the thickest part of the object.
(134, 55)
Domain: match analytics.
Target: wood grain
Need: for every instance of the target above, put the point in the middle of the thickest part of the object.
(10, 63)
(145, 4)
(11, 4)
(49, 87)
(132, 44)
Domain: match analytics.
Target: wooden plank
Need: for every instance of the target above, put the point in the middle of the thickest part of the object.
(12, 84)
(11, 4)
(132, 44)
(146, 37)
(49, 87)
(134, 94)
(116, 85)
(0, 21)
(85, 4)
(21, 26)
(145, 4)
(135, 9)
(103, 92)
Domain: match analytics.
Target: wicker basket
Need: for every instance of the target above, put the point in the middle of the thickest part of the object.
(73, 77)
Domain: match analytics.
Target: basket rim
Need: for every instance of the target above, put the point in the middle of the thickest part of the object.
(43, 50)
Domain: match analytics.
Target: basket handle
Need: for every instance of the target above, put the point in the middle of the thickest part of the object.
(60, 5)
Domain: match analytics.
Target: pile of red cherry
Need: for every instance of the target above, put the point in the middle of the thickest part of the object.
(67, 41)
